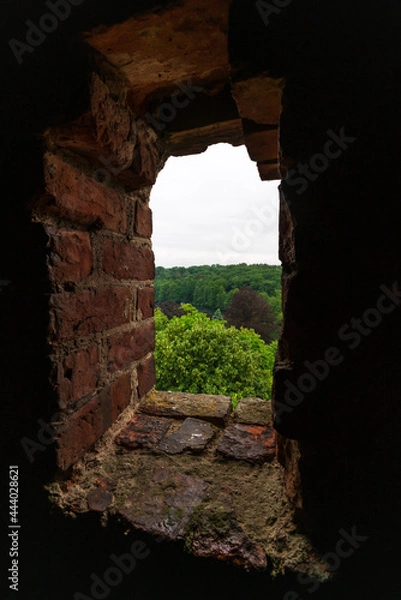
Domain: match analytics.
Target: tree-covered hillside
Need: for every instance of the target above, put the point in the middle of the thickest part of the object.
(211, 287)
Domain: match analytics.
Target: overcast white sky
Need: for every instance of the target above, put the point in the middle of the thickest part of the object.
(212, 208)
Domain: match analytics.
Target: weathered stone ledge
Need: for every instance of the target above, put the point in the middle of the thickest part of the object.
(187, 467)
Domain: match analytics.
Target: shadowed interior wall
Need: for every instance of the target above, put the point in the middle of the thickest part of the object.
(82, 272)
(337, 376)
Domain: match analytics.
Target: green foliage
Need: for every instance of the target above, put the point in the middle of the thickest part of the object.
(199, 355)
(210, 287)
(250, 309)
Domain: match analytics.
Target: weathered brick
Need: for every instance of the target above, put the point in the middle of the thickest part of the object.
(129, 346)
(143, 220)
(146, 376)
(251, 443)
(115, 125)
(70, 255)
(84, 427)
(120, 395)
(143, 432)
(78, 374)
(90, 311)
(146, 302)
(146, 162)
(124, 261)
(80, 198)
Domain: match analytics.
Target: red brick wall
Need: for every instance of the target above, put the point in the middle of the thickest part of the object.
(101, 269)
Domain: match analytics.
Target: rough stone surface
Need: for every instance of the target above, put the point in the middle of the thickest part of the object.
(99, 499)
(143, 220)
(217, 533)
(115, 125)
(261, 141)
(259, 99)
(254, 411)
(70, 254)
(215, 409)
(80, 198)
(193, 435)
(138, 47)
(252, 443)
(143, 432)
(166, 507)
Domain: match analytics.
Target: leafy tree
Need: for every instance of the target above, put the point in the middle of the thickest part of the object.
(249, 309)
(171, 309)
(200, 355)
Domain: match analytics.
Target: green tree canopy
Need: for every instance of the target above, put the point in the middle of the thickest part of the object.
(209, 287)
(251, 310)
(198, 355)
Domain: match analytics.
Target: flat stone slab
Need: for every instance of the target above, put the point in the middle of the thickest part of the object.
(254, 411)
(143, 431)
(178, 405)
(193, 435)
(165, 507)
(217, 533)
(251, 443)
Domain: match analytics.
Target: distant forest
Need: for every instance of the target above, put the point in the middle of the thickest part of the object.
(211, 287)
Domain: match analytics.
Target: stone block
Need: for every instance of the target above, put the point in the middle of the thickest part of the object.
(193, 435)
(179, 405)
(251, 443)
(253, 411)
(143, 432)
